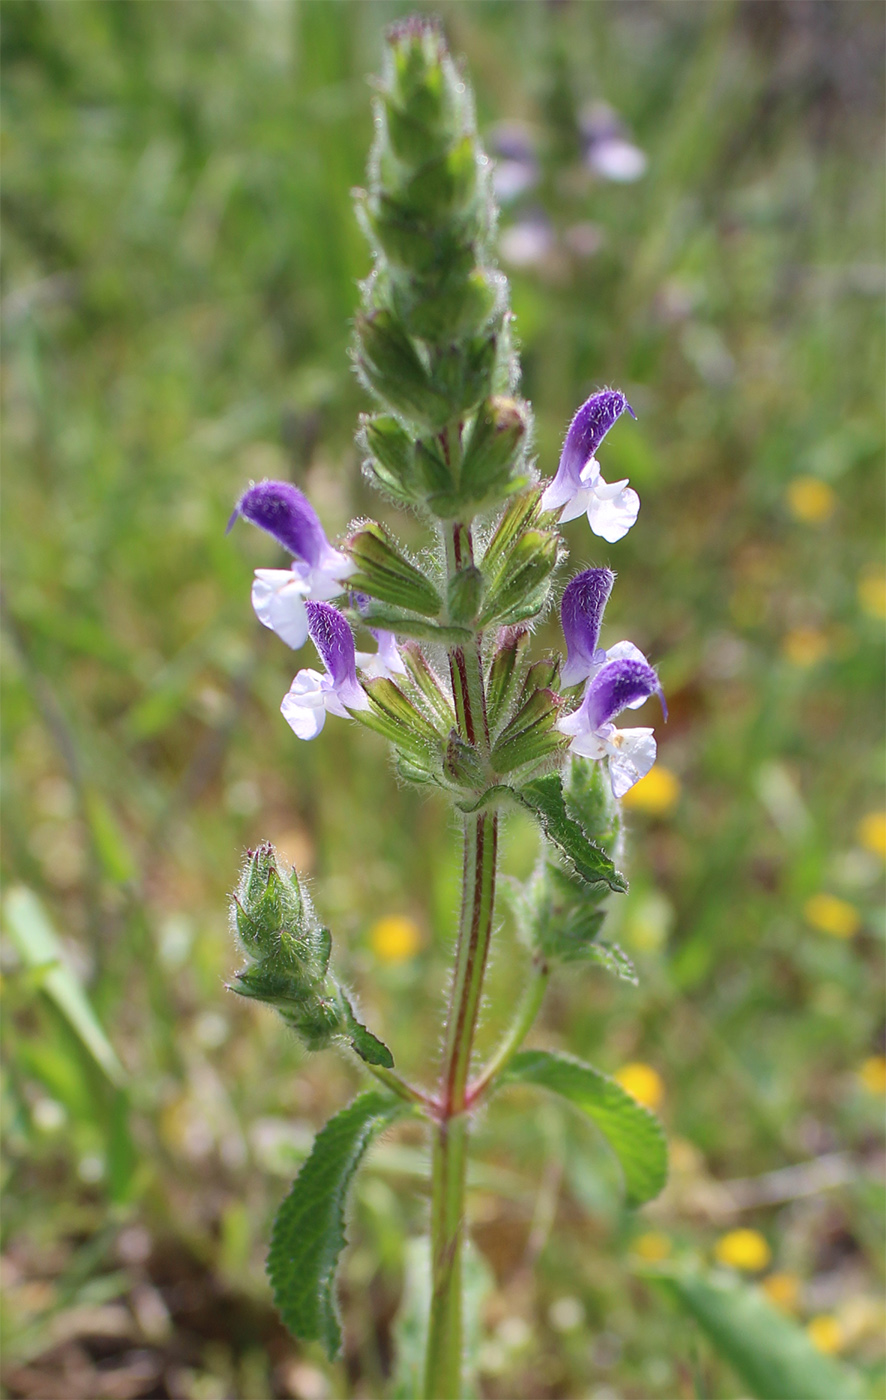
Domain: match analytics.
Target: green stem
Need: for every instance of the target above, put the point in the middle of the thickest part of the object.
(443, 1368)
(526, 1013)
(443, 1364)
(399, 1086)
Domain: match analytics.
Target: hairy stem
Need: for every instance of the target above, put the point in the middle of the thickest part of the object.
(443, 1378)
(443, 1368)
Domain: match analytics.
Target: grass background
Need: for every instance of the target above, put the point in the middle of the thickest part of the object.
(180, 266)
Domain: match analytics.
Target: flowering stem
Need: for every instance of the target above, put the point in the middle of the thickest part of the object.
(443, 1376)
(443, 1365)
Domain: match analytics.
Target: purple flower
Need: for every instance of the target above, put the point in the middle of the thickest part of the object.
(278, 595)
(578, 486)
(630, 753)
(608, 152)
(516, 167)
(581, 613)
(311, 694)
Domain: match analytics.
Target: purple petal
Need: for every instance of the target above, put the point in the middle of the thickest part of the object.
(617, 685)
(282, 510)
(586, 431)
(334, 640)
(589, 427)
(581, 612)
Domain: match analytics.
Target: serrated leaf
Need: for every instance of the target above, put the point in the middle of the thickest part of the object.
(309, 1230)
(610, 956)
(544, 798)
(773, 1355)
(634, 1134)
(367, 1045)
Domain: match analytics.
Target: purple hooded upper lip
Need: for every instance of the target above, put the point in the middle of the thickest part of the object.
(287, 515)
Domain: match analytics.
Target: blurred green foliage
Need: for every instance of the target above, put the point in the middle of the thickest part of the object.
(180, 266)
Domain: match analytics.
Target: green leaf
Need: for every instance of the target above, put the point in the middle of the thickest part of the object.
(634, 1134)
(544, 798)
(39, 947)
(772, 1355)
(367, 1045)
(309, 1231)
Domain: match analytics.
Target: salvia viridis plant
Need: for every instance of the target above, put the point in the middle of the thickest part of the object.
(449, 683)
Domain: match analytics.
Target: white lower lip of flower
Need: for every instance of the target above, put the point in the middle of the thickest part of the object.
(304, 707)
(631, 755)
(278, 597)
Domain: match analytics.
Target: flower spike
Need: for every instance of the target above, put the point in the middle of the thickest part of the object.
(278, 595)
(578, 486)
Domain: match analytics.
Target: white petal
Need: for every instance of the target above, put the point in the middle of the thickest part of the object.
(278, 598)
(578, 505)
(556, 494)
(588, 745)
(611, 519)
(590, 473)
(626, 651)
(304, 706)
(631, 755)
(325, 579)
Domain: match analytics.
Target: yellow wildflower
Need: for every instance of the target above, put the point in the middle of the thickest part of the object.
(825, 1333)
(783, 1290)
(872, 594)
(395, 939)
(652, 1246)
(657, 793)
(642, 1082)
(805, 646)
(743, 1249)
(871, 832)
(810, 499)
(831, 915)
(873, 1075)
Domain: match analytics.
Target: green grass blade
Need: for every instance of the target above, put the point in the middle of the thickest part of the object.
(39, 947)
(772, 1355)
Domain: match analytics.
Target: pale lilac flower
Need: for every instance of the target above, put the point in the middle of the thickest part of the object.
(608, 152)
(278, 595)
(581, 613)
(629, 753)
(312, 695)
(515, 169)
(578, 486)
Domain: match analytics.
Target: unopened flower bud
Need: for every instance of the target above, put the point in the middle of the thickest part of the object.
(491, 456)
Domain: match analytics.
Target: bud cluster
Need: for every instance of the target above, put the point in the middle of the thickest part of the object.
(432, 342)
(289, 953)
